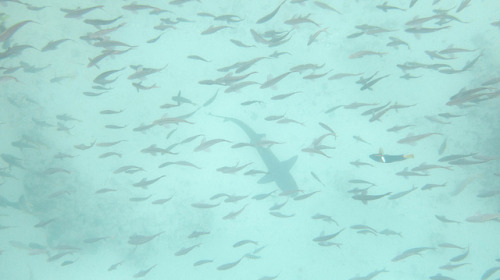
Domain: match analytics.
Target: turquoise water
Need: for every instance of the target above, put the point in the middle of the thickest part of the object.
(249, 140)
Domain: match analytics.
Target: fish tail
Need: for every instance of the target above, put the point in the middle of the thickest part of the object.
(409, 156)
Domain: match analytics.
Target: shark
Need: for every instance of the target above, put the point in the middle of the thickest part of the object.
(278, 171)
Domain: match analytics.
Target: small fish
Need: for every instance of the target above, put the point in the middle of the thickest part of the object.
(410, 252)
(271, 15)
(184, 251)
(229, 265)
(141, 239)
(445, 220)
(143, 273)
(323, 238)
(202, 262)
(114, 266)
(366, 197)
(412, 139)
(95, 239)
(44, 223)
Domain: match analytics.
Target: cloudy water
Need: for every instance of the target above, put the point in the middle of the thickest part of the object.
(281, 139)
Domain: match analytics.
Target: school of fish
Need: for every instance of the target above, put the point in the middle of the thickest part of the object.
(283, 139)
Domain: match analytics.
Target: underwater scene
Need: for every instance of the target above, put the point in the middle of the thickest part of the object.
(277, 139)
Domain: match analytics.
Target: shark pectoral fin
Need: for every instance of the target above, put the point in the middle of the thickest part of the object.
(288, 164)
(268, 178)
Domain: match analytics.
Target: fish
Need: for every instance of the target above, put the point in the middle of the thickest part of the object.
(212, 29)
(58, 256)
(163, 200)
(422, 30)
(431, 186)
(141, 239)
(76, 13)
(296, 20)
(411, 252)
(144, 183)
(142, 73)
(424, 167)
(138, 199)
(184, 251)
(98, 22)
(439, 276)
(411, 139)
(315, 35)
(196, 234)
(481, 218)
(143, 273)
(114, 266)
(450, 266)
(464, 4)
(273, 81)
(5, 35)
(95, 239)
(449, 245)
(455, 157)
(461, 256)
(445, 220)
(283, 96)
(153, 150)
(234, 214)
(271, 15)
(241, 44)
(44, 223)
(207, 144)
(327, 237)
(401, 194)
(326, 7)
(384, 7)
(202, 205)
(52, 45)
(278, 171)
(406, 173)
(244, 242)
(366, 197)
(229, 265)
(105, 190)
(489, 272)
(201, 262)
(304, 196)
(359, 163)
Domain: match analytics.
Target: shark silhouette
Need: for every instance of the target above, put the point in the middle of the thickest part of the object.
(278, 171)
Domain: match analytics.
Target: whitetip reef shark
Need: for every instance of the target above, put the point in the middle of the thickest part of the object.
(278, 171)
